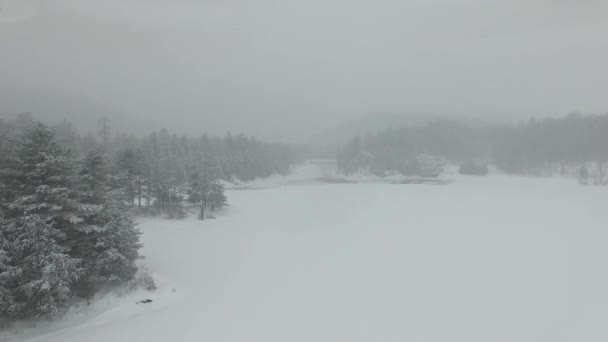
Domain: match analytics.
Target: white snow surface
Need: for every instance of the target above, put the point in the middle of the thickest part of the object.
(484, 259)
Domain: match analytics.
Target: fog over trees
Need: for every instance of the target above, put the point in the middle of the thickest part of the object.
(303, 170)
(68, 200)
(65, 231)
(544, 147)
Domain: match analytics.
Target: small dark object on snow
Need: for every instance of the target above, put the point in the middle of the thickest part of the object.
(210, 217)
(145, 301)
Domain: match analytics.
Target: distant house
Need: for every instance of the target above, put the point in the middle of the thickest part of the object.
(428, 165)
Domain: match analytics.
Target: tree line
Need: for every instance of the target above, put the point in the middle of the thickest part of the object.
(397, 149)
(574, 144)
(68, 200)
(568, 145)
(159, 171)
(65, 233)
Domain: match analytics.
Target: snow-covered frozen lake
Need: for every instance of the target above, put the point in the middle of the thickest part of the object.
(481, 259)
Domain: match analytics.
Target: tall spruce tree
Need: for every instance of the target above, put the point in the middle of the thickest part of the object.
(127, 173)
(92, 188)
(37, 273)
(108, 242)
(5, 268)
(42, 209)
(217, 198)
(200, 182)
(43, 177)
(118, 246)
(140, 175)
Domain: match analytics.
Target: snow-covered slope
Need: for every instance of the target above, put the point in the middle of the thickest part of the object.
(480, 259)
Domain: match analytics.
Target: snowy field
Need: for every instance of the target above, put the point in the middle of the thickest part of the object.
(478, 260)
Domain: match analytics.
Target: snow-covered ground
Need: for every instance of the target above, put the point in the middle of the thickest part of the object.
(480, 259)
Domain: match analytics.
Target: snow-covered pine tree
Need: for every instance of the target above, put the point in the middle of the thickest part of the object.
(118, 245)
(37, 273)
(104, 130)
(5, 268)
(6, 146)
(158, 189)
(199, 188)
(108, 241)
(41, 207)
(126, 167)
(43, 177)
(217, 198)
(141, 169)
(64, 233)
(175, 207)
(93, 178)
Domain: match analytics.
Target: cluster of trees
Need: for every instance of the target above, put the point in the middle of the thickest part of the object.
(158, 171)
(68, 200)
(164, 173)
(544, 147)
(397, 149)
(65, 232)
(572, 144)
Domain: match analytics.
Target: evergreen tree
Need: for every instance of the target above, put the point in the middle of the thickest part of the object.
(43, 175)
(104, 129)
(7, 147)
(111, 256)
(127, 173)
(6, 295)
(140, 168)
(217, 198)
(63, 232)
(200, 183)
(93, 184)
(94, 177)
(108, 242)
(159, 189)
(119, 243)
(38, 273)
(42, 209)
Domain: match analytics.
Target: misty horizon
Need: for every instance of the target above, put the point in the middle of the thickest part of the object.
(303, 170)
(285, 71)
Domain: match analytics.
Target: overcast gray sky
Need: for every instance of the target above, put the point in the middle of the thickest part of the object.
(284, 69)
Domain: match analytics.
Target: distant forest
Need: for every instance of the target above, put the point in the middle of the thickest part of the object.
(575, 144)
